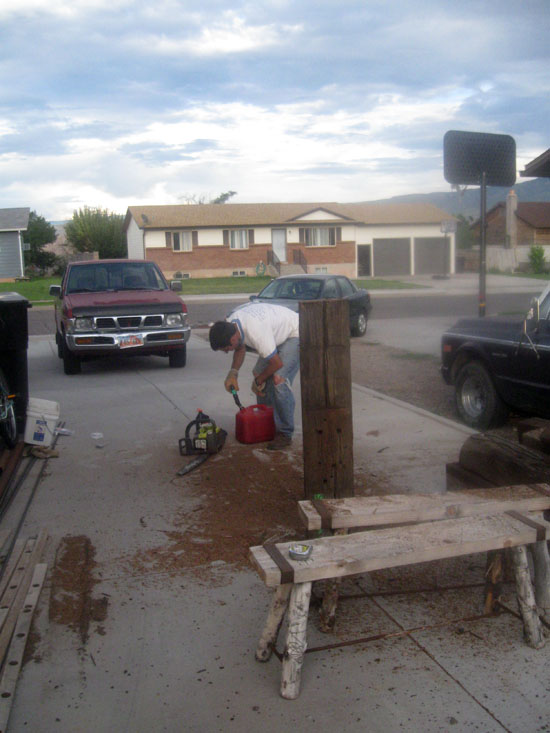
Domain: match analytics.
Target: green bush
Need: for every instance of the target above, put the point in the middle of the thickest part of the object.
(537, 259)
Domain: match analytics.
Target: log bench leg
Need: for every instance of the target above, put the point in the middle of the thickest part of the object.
(327, 616)
(493, 580)
(541, 564)
(275, 617)
(532, 627)
(296, 642)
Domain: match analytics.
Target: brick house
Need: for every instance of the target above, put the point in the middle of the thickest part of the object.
(357, 240)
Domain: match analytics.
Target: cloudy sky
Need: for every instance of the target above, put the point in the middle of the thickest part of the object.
(114, 103)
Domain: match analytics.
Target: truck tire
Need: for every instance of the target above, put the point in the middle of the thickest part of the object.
(71, 362)
(476, 398)
(8, 427)
(178, 357)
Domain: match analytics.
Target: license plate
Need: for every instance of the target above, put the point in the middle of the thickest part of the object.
(127, 342)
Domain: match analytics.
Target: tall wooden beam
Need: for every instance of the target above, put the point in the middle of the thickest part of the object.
(325, 374)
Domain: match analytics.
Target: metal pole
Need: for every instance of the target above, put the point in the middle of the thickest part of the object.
(482, 245)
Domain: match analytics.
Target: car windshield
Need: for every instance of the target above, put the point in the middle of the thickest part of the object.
(115, 276)
(293, 289)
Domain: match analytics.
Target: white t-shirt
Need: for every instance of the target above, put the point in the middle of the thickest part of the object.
(263, 326)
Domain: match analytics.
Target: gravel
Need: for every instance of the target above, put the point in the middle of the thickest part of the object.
(413, 378)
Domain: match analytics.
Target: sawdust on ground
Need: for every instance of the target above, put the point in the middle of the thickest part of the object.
(71, 601)
(245, 496)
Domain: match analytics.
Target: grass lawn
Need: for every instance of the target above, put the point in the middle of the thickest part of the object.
(37, 289)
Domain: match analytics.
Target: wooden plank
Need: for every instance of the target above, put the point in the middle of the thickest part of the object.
(371, 511)
(376, 549)
(14, 658)
(31, 555)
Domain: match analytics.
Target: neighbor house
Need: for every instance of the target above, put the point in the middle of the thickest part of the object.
(357, 240)
(512, 228)
(13, 222)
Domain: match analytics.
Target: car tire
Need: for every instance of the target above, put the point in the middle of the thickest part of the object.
(8, 427)
(178, 358)
(59, 342)
(476, 398)
(71, 362)
(360, 325)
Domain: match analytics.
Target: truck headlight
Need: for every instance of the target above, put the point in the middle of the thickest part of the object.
(83, 324)
(174, 320)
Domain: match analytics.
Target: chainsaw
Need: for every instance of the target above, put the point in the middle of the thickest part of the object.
(206, 439)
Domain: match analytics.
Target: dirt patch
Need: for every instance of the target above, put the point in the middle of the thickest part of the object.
(245, 496)
(71, 601)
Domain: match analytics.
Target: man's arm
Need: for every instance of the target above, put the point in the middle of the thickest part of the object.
(238, 357)
(273, 365)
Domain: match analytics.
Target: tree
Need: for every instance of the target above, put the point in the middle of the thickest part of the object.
(39, 233)
(97, 230)
(223, 197)
(465, 238)
(196, 199)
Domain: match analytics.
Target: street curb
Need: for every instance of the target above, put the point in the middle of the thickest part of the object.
(417, 410)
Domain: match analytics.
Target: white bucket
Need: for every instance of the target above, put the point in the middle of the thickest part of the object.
(42, 417)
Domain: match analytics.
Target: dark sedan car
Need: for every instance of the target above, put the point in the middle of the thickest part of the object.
(289, 290)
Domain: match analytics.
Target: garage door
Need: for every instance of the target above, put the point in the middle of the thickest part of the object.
(391, 257)
(431, 255)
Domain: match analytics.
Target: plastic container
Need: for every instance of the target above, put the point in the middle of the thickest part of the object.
(42, 417)
(255, 424)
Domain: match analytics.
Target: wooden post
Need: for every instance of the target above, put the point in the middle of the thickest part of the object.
(296, 641)
(325, 374)
(532, 627)
(268, 639)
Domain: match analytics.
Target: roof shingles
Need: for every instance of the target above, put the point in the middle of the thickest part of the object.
(248, 215)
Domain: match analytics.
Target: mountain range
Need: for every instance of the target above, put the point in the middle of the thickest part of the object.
(467, 202)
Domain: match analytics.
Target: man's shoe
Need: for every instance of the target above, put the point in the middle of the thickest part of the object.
(280, 442)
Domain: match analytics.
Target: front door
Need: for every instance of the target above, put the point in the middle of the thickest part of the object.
(278, 242)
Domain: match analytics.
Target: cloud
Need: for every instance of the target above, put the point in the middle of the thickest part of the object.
(133, 102)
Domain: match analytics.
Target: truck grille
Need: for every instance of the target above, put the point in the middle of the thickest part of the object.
(128, 322)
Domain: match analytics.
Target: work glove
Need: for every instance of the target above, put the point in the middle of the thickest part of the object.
(231, 381)
(258, 389)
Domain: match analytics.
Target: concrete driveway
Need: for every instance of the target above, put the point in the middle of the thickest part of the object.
(151, 613)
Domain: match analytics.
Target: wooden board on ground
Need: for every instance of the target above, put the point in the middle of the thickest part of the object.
(502, 461)
(338, 556)
(371, 511)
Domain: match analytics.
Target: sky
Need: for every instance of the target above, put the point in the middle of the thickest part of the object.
(117, 103)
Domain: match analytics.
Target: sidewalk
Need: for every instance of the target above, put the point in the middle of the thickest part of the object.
(174, 648)
(458, 284)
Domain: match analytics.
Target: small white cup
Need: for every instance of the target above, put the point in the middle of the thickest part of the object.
(99, 440)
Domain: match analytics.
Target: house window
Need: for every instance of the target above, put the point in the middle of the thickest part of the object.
(238, 238)
(182, 241)
(320, 236)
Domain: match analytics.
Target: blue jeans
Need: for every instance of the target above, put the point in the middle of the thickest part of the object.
(280, 396)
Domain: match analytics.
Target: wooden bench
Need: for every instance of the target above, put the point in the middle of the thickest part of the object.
(373, 511)
(393, 546)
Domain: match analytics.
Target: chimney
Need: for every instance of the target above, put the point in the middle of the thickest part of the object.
(511, 221)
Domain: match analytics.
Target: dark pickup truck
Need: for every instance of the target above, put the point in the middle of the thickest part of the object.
(118, 307)
(499, 364)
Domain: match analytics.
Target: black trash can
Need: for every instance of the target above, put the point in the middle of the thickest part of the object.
(14, 343)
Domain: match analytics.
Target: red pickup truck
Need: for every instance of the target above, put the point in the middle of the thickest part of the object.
(118, 307)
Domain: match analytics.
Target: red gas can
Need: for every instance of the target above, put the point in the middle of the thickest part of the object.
(255, 424)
